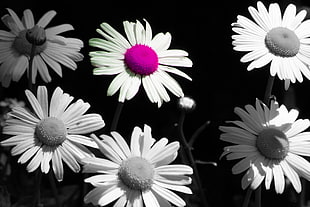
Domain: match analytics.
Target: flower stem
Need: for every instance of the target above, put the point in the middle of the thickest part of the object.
(32, 54)
(247, 197)
(302, 196)
(117, 114)
(197, 133)
(53, 186)
(258, 196)
(37, 193)
(191, 159)
(268, 90)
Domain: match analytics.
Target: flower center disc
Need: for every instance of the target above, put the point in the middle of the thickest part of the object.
(282, 42)
(51, 131)
(136, 173)
(23, 42)
(141, 59)
(272, 143)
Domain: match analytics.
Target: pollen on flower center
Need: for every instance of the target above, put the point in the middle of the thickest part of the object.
(136, 173)
(51, 131)
(26, 38)
(282, 42)
(272, 143)
(141, 59)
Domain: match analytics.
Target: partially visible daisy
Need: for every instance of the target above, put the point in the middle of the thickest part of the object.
(52, 133)
(282, 41)
(139, 58)
(52, 49)
(270, 143)
(138, 174)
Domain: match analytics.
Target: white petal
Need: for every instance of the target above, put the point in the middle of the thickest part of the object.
(279, 181)
(134, 143)
(35, 104)
(291, 175)
(43, 99)
(174, 169)
(57, 165)
(46, 18)
(149, 199)
(161, 42)
(28, 19)
(169, 195)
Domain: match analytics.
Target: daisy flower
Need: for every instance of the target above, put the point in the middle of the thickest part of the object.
(138, 59)
(51, 48)
(137, 174)
(270, 143)
(282, 41)
(52, 133)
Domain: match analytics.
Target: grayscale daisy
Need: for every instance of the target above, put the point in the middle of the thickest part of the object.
(51, 50)
(270, 143)
(138, 174)
(283, 41)
(52, 133)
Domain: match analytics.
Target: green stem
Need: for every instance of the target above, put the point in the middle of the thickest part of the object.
(247, 197)
(32, 54)
(191, 158)
(117, 114)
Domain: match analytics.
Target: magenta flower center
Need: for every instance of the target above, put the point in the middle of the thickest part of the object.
(141, 59)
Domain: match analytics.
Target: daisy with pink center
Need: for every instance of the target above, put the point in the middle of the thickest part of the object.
(138, 59)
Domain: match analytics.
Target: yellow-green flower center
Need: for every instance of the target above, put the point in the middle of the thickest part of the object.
(282, 42)
(26, 38)
(136, 173)
(51, 131)
(272, 143)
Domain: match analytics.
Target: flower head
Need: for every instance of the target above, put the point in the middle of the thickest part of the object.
(52, 133)
(139, 58)
(51, 48)
(137, 174)
(270, 142)
(283, 41)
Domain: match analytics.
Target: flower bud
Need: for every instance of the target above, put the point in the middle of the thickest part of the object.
(187, 104)
(36, 35)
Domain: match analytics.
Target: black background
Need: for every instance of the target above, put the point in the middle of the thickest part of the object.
(220, 81)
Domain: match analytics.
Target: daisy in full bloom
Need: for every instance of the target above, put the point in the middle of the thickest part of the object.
(270, 143)
(282, 41)
(51, 48)
(52, 133)
(138, 174)
(139, 58)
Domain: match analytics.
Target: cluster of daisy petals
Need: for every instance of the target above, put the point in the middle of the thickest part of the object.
(270, 141)
(56, 129)
(284, 42)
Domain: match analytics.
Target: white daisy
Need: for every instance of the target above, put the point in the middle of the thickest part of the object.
(53, 50)
(52, 133)
(137, 174)
(141, 58)
(282, 41)
(270, 142)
